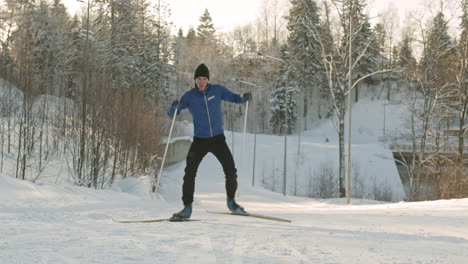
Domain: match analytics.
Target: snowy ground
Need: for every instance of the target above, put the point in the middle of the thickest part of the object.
(46, 223)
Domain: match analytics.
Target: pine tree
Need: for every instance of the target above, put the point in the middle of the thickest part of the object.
(59, 39)
(191, 36)
(439, 54)
(126, 40)
(158, 54)
(284, 99)
(135, 45)
(303, 22)
(381, 35)
(206, 30)
(365, 49)
(406, 60)
(206, 48)
(381, 42)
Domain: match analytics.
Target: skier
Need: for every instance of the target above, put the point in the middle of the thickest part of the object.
(204, 103)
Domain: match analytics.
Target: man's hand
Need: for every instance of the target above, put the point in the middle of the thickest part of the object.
(246, 96)
(175, 103)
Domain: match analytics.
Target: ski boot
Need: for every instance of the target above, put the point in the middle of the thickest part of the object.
(234, 207)
(183, 214)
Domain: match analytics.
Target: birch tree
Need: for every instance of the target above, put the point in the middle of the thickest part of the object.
(334, 57)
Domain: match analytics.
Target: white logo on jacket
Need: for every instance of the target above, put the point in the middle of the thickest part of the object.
(211, 97)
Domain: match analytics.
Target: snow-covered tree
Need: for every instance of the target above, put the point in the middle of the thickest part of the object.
(206, 45)
(380, 35)
(305, 51)
(406, 60)
(158, 56)
(51, 29)
(206, 30)
(439, 53)
(284, 99)
(365, 49)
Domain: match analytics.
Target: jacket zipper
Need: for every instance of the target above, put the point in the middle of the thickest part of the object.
(208, 112)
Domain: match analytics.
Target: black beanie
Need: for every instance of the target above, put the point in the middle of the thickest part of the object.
(202, 71)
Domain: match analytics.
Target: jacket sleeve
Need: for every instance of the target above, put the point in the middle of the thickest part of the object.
(182, 105)
(229, 96)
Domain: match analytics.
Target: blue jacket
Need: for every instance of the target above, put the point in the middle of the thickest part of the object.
(205, 107)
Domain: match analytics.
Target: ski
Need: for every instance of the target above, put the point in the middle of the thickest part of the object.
(266, 217)
(155, 220)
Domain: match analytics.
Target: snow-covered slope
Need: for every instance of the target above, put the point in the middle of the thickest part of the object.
(374, 173)
(46, 223)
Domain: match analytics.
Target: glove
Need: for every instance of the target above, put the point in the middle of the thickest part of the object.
(175, 103)
(246, 96)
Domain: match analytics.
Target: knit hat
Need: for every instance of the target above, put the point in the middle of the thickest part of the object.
(202, 71)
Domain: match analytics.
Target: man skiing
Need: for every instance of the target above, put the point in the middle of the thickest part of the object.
(204, 103)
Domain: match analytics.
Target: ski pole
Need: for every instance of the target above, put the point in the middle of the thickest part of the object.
(243, 140)
(155, 186)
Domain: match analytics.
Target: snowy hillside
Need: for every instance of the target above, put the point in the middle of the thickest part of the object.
(314, 162)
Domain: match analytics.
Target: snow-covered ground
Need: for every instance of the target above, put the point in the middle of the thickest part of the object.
(47, 223)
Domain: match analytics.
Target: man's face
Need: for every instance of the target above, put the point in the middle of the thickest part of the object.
(201, 83)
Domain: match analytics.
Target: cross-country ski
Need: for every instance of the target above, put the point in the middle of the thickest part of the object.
(247, 214)
(155, 220)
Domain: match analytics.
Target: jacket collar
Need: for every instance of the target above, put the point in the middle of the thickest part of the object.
(197, 91)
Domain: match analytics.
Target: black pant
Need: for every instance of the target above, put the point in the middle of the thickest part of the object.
(198, 150)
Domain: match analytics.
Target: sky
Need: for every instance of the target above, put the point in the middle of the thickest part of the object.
(228, 14)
